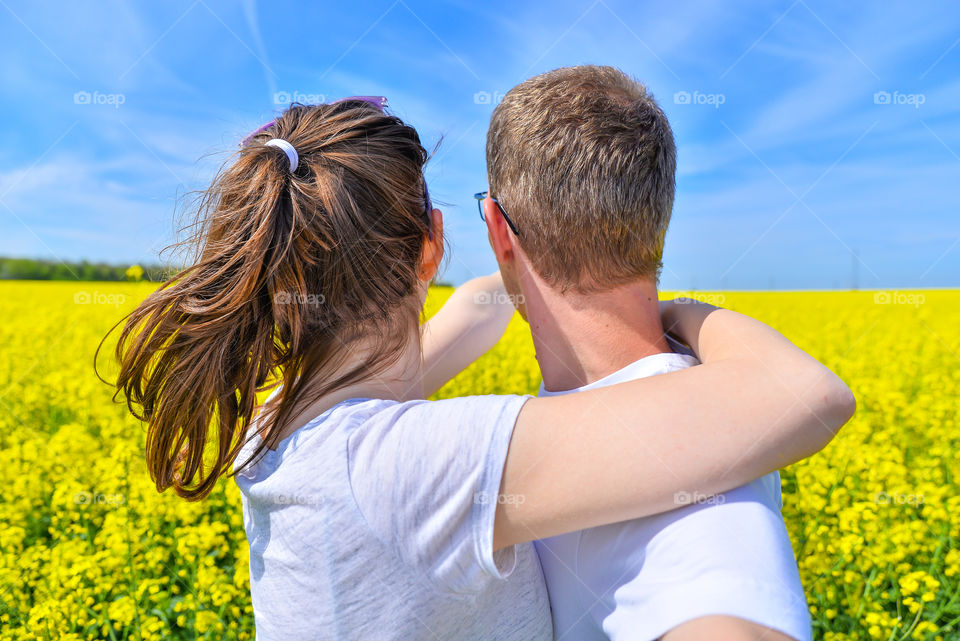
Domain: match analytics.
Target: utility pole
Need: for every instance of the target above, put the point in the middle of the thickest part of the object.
(855, 284)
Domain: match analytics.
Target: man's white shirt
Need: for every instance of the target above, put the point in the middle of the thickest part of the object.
(727, 554)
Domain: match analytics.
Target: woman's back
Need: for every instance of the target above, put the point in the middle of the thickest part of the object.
(375, 521)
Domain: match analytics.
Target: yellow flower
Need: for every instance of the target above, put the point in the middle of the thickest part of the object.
(90, 548)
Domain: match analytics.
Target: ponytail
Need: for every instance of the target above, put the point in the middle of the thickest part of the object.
(290, 270)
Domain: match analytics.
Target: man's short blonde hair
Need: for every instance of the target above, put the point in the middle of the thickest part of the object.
(583, 160)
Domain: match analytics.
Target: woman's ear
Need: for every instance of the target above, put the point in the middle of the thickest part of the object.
(432, 253)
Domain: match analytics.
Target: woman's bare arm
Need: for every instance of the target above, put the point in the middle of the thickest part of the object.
(471, 322)
(756, 404)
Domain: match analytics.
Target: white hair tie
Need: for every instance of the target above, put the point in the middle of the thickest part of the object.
(288, 149)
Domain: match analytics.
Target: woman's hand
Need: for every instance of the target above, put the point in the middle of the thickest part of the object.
(466, 327)
(683, 318)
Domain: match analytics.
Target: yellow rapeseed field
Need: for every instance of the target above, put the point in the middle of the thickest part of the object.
(89, 549)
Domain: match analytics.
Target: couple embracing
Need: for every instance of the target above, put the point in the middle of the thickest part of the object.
(636, 497)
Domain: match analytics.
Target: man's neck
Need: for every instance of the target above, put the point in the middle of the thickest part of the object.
(581, 338)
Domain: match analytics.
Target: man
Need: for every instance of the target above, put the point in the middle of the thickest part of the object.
(581, 169)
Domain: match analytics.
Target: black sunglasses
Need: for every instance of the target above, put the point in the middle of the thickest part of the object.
(480, 196)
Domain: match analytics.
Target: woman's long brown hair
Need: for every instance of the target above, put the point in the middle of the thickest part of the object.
(289, 271)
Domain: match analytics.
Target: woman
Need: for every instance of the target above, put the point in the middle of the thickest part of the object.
(371, 512)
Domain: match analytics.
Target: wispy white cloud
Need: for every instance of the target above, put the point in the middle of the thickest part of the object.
(196, 76)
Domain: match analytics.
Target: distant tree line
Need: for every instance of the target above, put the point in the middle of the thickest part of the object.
(38, 269)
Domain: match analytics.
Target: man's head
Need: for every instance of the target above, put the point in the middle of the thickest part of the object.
(583, 161)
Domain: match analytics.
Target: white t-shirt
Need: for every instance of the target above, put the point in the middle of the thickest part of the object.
(374, 521)
(729, 555)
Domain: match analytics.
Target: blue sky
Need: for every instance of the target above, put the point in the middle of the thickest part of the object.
(819, 142)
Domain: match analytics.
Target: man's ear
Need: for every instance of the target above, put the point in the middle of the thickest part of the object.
(432, 254)
(498, 232)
